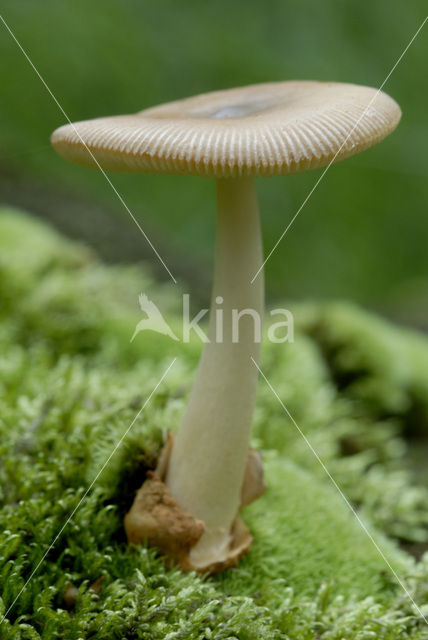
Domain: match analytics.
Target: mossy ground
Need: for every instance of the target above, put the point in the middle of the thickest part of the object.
(70, 386)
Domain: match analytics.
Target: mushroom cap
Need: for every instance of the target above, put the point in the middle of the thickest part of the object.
(265, 129)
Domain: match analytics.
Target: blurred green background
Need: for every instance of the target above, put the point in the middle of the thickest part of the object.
(362, 235)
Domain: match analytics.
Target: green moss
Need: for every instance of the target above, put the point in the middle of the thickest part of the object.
(383, 367)
(67, 395)
(298, 518)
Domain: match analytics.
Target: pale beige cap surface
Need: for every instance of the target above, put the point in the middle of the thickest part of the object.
(264, 129)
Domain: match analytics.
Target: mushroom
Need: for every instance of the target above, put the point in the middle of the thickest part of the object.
(234, 135)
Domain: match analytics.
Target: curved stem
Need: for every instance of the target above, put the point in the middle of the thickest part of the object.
(210, 450)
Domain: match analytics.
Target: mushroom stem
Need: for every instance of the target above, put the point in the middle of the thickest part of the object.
(210, 451)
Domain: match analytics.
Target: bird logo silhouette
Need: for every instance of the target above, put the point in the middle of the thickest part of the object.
(154, 320)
